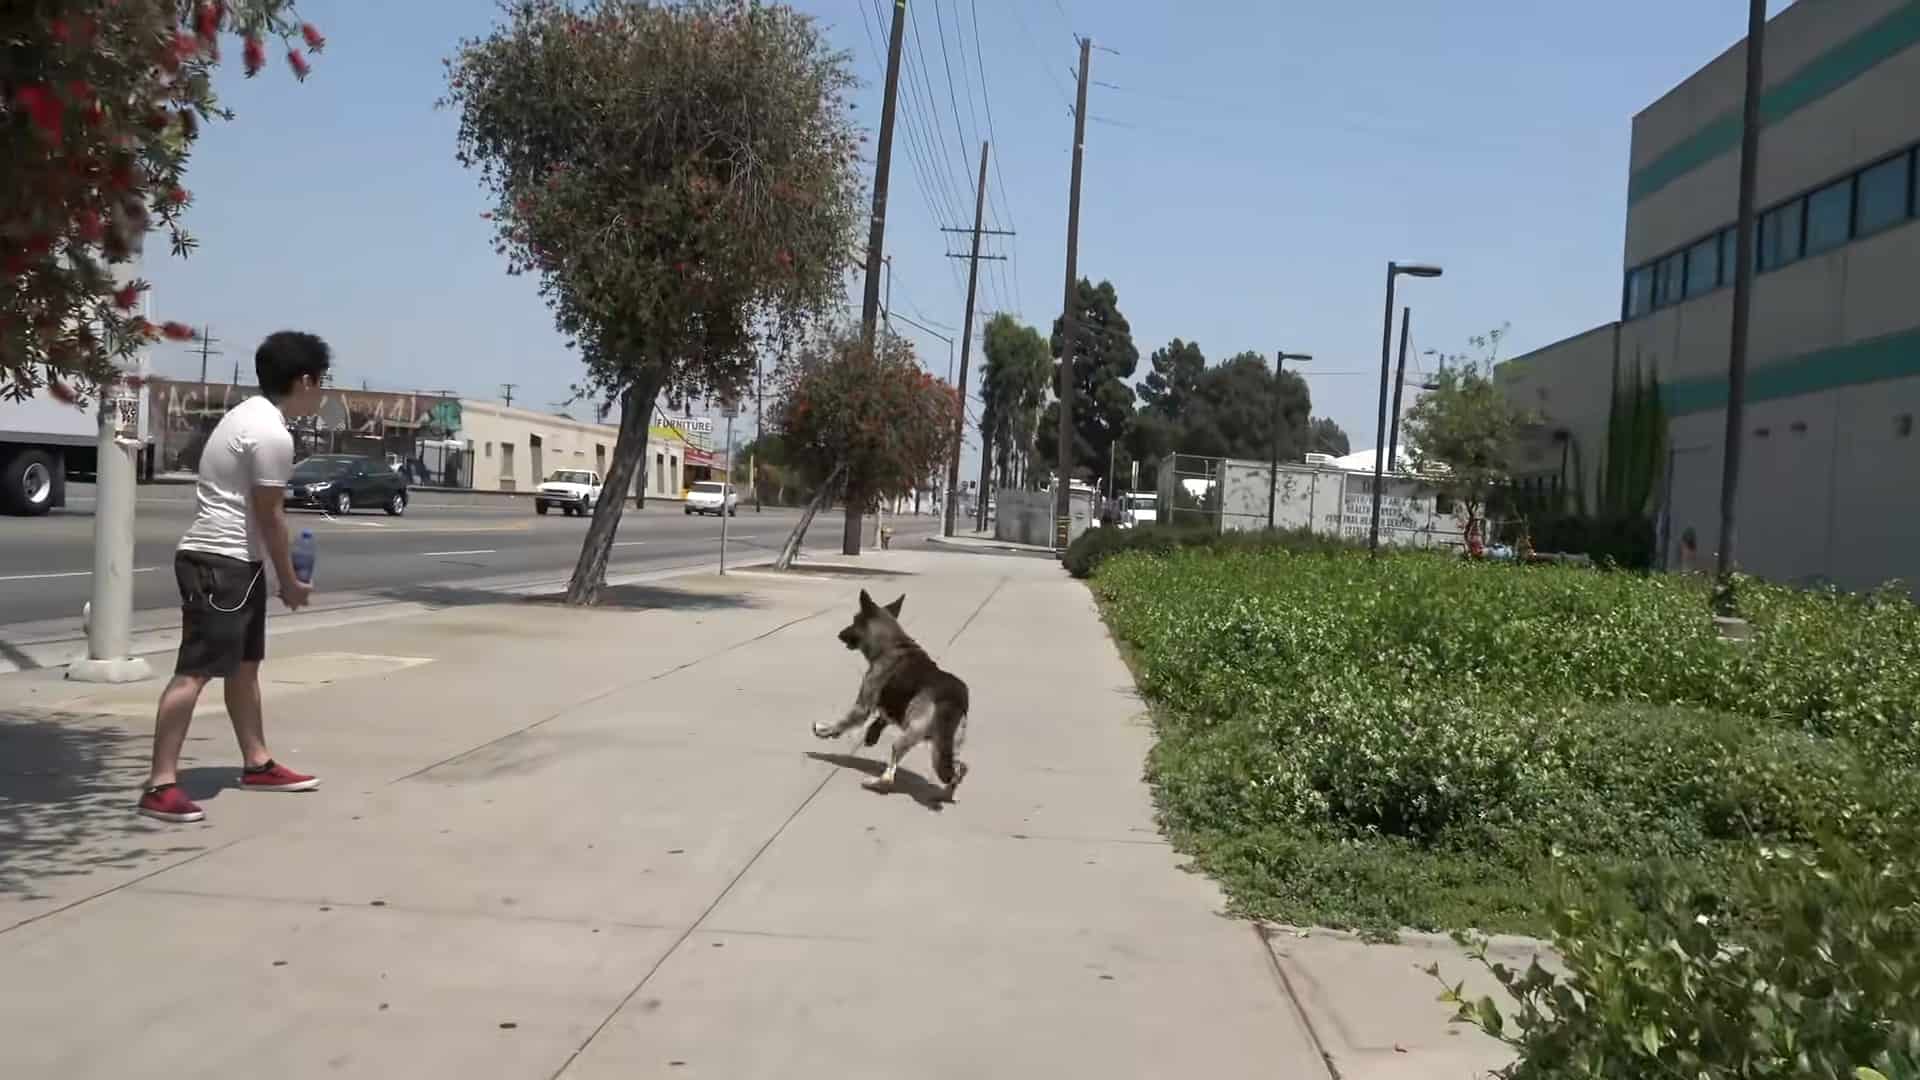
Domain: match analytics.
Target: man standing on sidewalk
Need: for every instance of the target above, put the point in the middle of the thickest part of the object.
(239, 517)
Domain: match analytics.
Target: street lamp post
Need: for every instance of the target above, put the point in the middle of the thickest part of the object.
(1394, 270)
(1399, 384)
(1279, 422)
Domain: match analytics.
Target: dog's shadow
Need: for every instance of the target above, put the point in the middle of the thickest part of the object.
(905, 781)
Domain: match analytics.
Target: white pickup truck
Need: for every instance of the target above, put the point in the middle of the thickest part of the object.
(574, 491)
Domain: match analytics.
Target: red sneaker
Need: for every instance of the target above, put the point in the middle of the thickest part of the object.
(168, 803)
(274, 776)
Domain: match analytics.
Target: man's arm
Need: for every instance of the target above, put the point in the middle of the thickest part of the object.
(267, 501)
(269, 507)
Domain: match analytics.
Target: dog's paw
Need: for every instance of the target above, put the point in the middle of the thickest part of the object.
(823, 731)
(879, 783)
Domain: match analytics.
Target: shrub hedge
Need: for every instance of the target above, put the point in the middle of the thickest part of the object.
(1413, 740)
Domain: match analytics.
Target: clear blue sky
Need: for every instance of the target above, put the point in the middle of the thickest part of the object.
(1249, 171)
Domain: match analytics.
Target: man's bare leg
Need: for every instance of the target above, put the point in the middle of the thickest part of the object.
(170, 725)
(243, 708)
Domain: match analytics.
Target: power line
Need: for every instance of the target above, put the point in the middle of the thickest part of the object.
(999, 177)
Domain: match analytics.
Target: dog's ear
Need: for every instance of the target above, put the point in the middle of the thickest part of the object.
(867, 606)
(893, 609)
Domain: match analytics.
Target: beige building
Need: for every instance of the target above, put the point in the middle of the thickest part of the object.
(1830, 474)
(514, 449)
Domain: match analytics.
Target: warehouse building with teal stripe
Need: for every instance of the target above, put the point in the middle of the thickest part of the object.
(1830, 475)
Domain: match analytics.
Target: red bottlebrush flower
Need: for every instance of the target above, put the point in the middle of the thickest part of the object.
(120, 175)
(298, 62)
(141, 328)
(176, 331)
(185, 47)
(92, 229)
(786, 258)
(155, 121)
(206, 23)
(42, 107)
(39, 244)
(62, 392)
(311, 34)
(178, 196)
(60, 31)
(486, 215)
(14, 264)
(254, 56)
(126, 297)
(80, 90)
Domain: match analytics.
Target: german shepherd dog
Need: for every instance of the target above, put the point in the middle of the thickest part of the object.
(902, 686)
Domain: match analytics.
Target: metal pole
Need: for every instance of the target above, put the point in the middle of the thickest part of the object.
(726, 486)
(1380, 427)
(1273, 468)
(1399, 382)
(108, 617)
(966, 345)
(1724, 602)
(1063, 458)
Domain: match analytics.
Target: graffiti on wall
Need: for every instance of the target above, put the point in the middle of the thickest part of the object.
(361, 420)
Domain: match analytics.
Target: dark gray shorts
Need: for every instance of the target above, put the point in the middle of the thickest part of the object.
(223, 613)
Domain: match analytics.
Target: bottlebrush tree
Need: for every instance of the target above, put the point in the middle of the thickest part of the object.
(871, 426)
(101, 102)
(681, 178)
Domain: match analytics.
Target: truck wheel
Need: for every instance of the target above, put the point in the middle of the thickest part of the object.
(540, 508)
(26, 483)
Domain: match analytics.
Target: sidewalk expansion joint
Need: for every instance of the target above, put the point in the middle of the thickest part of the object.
(694, 926)
(1293, 999)
(603, 695)
(91, 897)
(997, 586)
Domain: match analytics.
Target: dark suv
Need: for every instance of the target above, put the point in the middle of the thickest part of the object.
(337, 483)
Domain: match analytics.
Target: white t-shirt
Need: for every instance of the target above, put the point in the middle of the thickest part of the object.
(250, 447)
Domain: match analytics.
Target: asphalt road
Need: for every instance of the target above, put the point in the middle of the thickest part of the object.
(46, 563)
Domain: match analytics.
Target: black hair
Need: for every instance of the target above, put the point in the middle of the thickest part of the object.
(284, 357)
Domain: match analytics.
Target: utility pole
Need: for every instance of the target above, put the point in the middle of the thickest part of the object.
(1725, 607)
(966, 340)
(207, 343)
(506, 391)
(1069, 330)
(877, 231)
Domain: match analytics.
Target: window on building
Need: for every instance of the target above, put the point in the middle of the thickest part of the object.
(1884, 192)
(1703, 266)
(489, 449)
(1780, 235)
(1639, 292)
(1829, 216)
(1670, 282)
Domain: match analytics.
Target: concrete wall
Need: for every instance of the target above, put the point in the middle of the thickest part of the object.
(1568, 386)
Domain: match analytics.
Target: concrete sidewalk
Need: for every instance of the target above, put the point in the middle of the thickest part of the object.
(583, 844)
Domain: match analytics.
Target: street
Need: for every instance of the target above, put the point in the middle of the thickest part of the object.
(46, 563)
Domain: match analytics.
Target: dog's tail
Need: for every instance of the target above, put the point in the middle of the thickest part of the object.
(949, 726)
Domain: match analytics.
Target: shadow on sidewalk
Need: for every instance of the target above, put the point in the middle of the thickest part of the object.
(612, 598)
(905, 781)
(67, 790)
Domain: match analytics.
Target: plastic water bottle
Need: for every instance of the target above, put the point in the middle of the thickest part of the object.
(306, 552)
